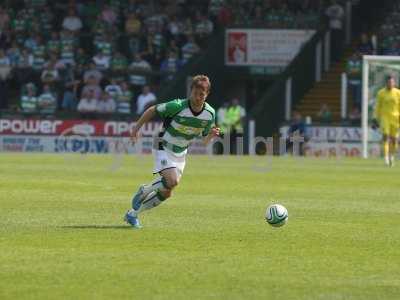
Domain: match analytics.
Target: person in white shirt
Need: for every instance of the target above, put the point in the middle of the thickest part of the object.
(72, 22)
(113, 89)
(102, 62)
(92, 73)
(106, 104)
(92, 86)
(336, 15)
(144, 100)
(88, 103)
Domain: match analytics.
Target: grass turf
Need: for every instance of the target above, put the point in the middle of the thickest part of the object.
(62, 234)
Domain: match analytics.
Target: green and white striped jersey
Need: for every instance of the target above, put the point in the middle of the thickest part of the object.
(182, 125)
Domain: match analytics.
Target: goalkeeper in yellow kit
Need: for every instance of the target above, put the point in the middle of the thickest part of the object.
(387, 113)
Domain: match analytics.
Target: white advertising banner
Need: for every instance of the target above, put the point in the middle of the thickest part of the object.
(83, 144)
(336, 133)
(79, 136)
(317, 149)
(264, 47)
(333, 141)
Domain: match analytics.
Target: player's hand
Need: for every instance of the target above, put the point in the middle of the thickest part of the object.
(215, 131)
(135, 135)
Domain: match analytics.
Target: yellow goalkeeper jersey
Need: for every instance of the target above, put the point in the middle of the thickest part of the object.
(388, 104)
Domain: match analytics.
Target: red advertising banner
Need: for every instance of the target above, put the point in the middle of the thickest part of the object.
(66, 127)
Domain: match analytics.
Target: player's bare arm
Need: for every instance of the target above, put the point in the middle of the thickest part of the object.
(148, 115)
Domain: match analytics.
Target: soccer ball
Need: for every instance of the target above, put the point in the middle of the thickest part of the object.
(276, 215)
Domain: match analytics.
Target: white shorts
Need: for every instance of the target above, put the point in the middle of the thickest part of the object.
(165, 160)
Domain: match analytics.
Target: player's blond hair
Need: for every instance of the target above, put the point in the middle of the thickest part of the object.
(196, 80)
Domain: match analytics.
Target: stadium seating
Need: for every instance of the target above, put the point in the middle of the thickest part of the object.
(133, 43)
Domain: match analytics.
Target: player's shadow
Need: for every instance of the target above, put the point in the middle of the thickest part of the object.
(96, 227)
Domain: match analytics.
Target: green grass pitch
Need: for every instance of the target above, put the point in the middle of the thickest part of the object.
(62, 234)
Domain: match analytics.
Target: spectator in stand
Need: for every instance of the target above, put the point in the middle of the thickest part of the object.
(203, 28)
(47, 102)
(365, 46)
(133, 25)
(170, 65)
(72, 22)
(138, 80)
(124, 99)
(6, 37)
(39, 54)
(189, 49)
(113, 89)
(50, 74)
(81, 60)
(28, 99)
(214, 8)
(187, 27)
(119, 63)
(355, 116)
(353, 70)
(19, 25)
(4, 18)
(134, 6)
(225, 15)
(46, 20)
(69, 96)
(55, 62)
(5, 66)
(102, 62)
(92, 73)
(23, 72)
(108, 15)
(14, 54)
(106, 104)
(296, 134)
(324, 115)
(145, 99)
(173, 47)
(53, 44)
(335, 13)
(88, 103)
(92, 88)
(67, 46)
(30, 42)
(174, 27)
(105, 45)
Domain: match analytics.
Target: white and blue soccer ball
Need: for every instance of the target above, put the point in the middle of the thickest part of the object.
(276, 215)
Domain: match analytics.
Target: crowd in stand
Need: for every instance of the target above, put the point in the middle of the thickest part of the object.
(107, 56)
(59, 54)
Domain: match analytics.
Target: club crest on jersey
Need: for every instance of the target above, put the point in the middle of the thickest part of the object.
(203, 123)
